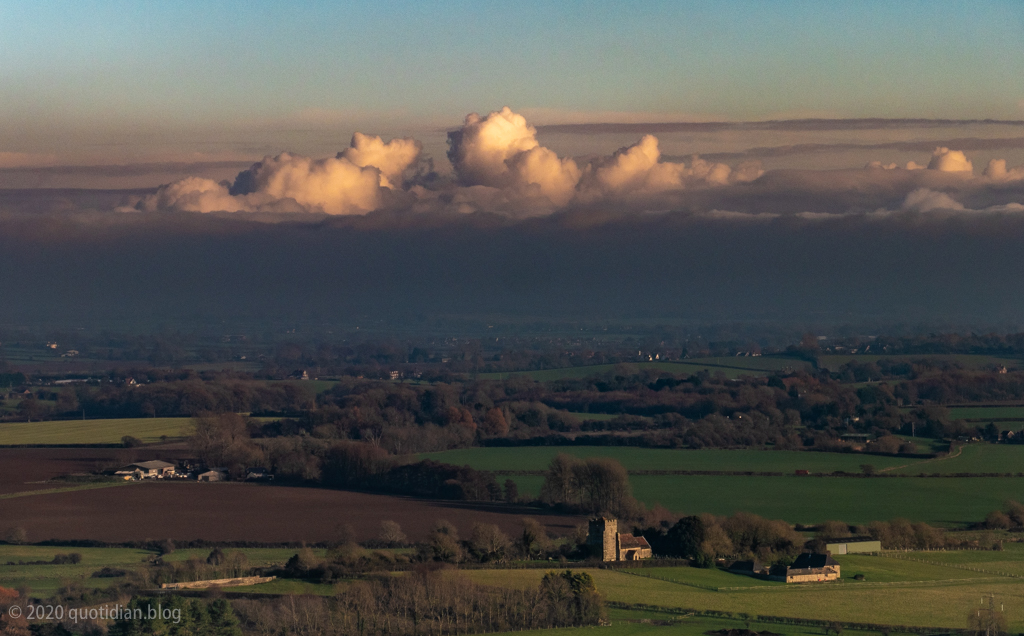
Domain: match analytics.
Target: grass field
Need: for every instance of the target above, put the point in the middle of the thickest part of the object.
(986, 412)
(937, 603)
(945, 502)
(633, 623)
(46, 579)
(538, 458)
(149, 430)
(974, 458)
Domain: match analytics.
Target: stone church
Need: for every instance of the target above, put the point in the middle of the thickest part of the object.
(605, 541)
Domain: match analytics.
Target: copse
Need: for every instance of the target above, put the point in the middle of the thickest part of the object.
(594, 485)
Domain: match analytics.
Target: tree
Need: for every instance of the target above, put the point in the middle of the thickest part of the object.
(391, 534)
(511, 491)
(686, 537)
(495, 423)
(444, 542)
(488, 542)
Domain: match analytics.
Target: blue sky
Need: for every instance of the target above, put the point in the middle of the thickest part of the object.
(115, 67)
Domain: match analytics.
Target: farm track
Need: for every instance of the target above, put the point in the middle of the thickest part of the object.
(959, 451)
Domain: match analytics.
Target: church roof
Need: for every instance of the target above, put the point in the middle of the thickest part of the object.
(629, 541)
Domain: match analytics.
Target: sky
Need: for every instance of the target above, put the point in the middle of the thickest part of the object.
(680, 161)
(106, 80)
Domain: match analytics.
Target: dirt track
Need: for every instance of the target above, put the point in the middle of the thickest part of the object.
(245, 512)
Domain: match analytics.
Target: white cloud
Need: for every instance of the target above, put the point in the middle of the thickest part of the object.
(925, 200)
(997, 171)
(351, 183)
(946, 160)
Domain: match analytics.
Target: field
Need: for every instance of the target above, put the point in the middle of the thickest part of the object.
(968, 361)
(538, 458)
(46, 579)
(974, 458)
(731, 367)
(914, 596)
(246, 512)
(29, 469)
(945, 502)
(149, 430)
(981, 413)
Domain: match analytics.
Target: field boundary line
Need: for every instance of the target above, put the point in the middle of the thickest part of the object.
(830, 585)
(784, 620)
(959, 451)
(954, 565)
(55, 491)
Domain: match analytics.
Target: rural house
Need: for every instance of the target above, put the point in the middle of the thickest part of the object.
(806, 569)
(605, 540)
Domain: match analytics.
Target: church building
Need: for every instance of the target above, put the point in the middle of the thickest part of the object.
(605, 541)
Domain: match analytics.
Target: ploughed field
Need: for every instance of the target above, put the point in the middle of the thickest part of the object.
(29, 469)
(186, 511)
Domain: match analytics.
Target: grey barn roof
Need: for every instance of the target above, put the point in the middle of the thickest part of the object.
(808, 560)
(154, 464)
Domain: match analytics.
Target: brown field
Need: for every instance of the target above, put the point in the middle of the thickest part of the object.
(245, 512)
(24, 469)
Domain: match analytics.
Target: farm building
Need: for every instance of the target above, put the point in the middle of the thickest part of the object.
(154, 469)
(214, 474)
(749, 568)
(807, 568)
(605, 540)
(853, 545)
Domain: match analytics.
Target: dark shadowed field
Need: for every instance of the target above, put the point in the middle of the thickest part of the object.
(245, 512)
(24, 469)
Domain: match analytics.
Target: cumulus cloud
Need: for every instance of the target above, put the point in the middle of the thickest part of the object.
(500, 166)
(997, 171)
(639, 168)
(946, 160)
(392, 158)
(501, 151)
(351, 183)
(925, 200)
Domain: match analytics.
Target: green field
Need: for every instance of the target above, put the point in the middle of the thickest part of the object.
(731, 367)
(986, 412)
(943, 502)
(634, 623)
(946, 502)
(46, 579)
(973, 458)
(148, 429)
(875, 570)
(940, 602)
(538, 458)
